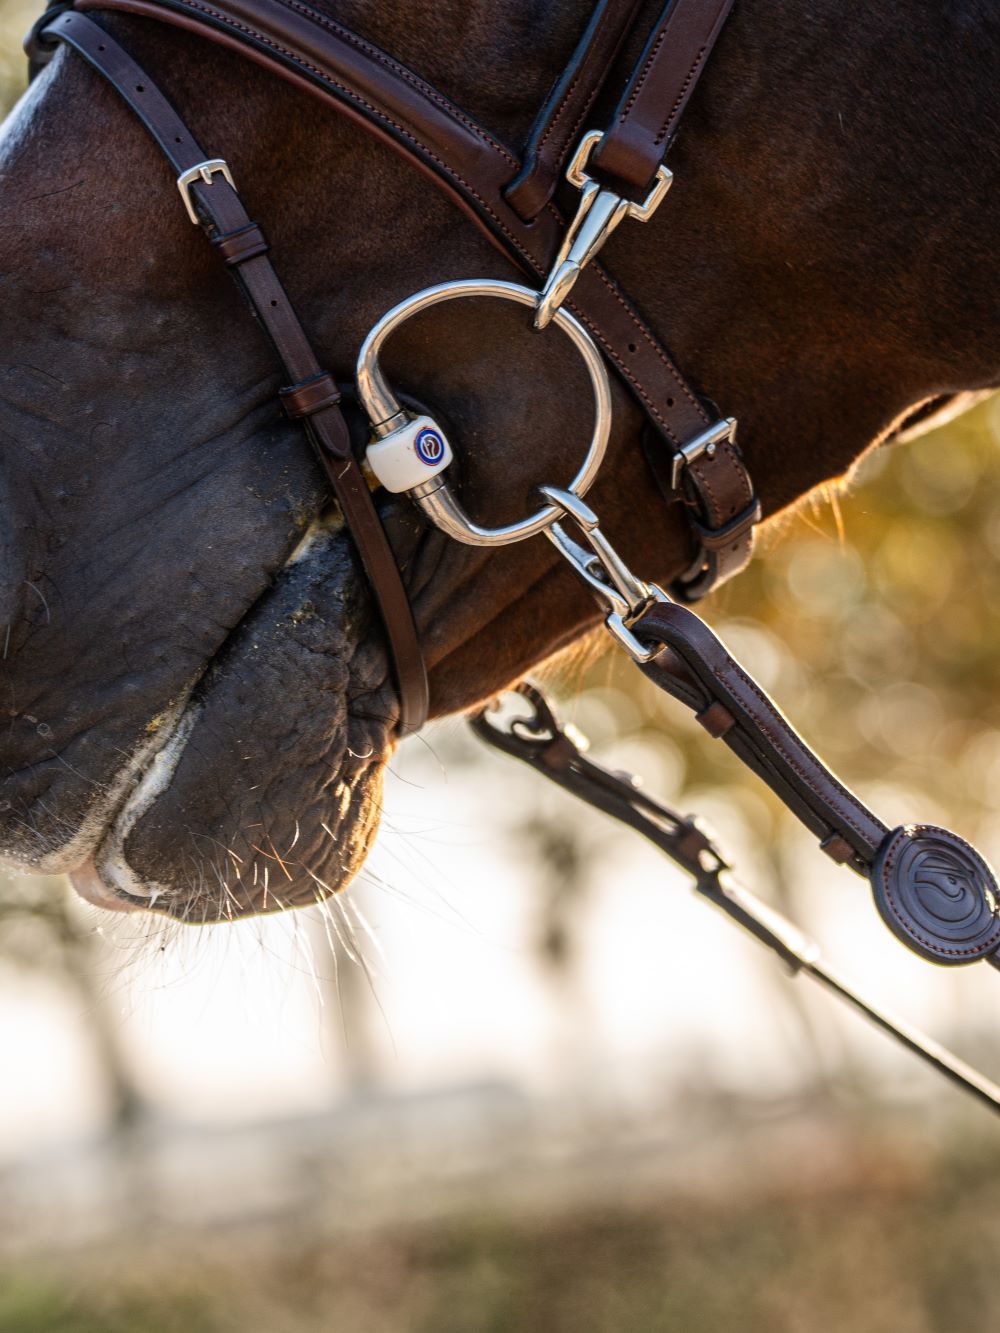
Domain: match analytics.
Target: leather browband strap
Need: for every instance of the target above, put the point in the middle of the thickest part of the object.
(223, 217)
(312, 50)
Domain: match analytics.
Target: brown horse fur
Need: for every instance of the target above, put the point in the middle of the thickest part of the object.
(208, 722)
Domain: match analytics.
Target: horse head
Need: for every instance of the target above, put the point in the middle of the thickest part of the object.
(199, 701)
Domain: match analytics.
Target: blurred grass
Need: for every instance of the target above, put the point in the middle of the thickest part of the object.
(888, 1247)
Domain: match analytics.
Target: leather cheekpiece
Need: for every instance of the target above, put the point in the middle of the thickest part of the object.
(223, 218)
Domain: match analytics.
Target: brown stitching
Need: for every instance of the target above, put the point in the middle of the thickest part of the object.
(575, 128)
(637, 384)
(667, 363)
(704, 479)
(644, 72)
(796, 763)
(738, 465)
(407, 75)
(680, 98)
(705, 483)
(559, 112)
(378, 114)
(535, 164)
(373, 51)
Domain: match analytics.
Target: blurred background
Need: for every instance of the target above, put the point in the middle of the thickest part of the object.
(519, 1078)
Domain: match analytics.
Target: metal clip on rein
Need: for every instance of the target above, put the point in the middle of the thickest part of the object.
(932, 889)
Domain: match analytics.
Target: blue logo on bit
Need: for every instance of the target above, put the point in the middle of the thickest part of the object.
(429, 446)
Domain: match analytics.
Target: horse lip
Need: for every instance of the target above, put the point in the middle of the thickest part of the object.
(92, 889)
(100, 874)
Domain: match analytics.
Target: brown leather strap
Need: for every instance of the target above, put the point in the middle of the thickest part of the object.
(224, 219)
(319, 54)
(311, 396)
(634, 146)
(239, 246)
(559, 124)
(696, 668)
(931, 888)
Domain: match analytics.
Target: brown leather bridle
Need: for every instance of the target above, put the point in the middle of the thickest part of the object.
(934, 891)
(508, 199)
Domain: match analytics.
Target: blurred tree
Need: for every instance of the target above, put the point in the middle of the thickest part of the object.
(41, 931)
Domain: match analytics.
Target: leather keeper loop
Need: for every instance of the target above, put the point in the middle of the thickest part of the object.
(837, 848)
(310, 397)
(716, 719)
(36, 48)
(236, 247)
(715, 539)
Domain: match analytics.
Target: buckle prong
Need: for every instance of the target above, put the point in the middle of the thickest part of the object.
(204, 172)
(702, 446)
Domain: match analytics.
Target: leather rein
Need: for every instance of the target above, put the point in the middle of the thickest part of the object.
(933, 890)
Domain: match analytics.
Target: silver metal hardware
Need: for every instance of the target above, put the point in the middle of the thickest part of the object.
(205, 172)
(702, 446)
(625, 597)
(599, 213)
(387, 416)
(622, 595)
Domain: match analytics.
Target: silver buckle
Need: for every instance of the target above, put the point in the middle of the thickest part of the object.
(599, 213)
(702, 446)
(205, 172)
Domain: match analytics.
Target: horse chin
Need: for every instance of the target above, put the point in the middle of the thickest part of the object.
(264, 793)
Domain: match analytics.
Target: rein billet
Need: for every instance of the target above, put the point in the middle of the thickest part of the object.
(907, 866)
(932, 889)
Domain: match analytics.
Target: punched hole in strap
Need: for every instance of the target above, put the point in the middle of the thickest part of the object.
(310, 396)
(236, 247)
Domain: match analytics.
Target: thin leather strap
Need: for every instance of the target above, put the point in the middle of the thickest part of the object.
(559, 124)
(225, 220)
(696, 668)
(316, 53)
(635, 144)
(239, 246)
(311, 396)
